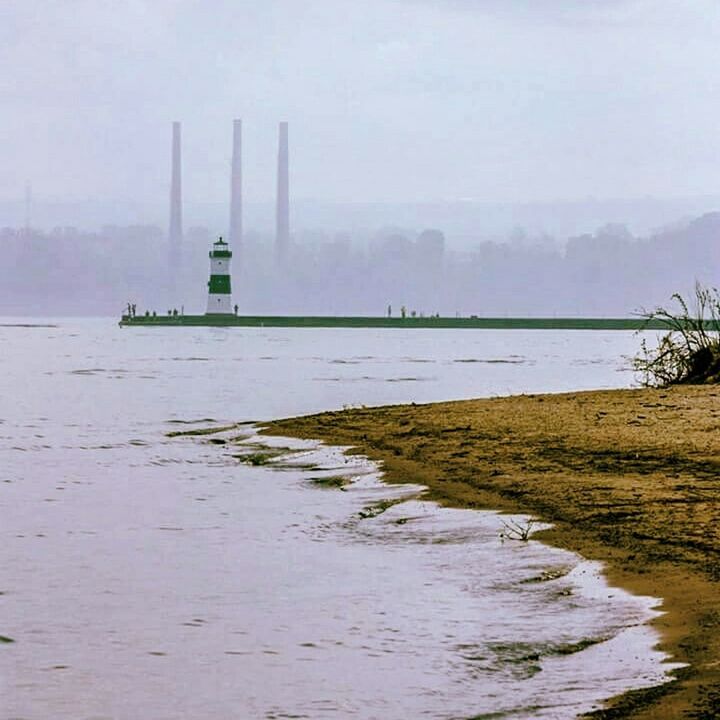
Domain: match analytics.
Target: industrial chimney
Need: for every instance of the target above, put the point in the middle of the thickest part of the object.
(175, 232)
(282, 237)
(236, 220)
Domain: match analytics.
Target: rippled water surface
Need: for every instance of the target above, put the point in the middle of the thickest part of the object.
(157, 576)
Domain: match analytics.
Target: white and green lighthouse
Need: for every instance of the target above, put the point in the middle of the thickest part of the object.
(219, 293)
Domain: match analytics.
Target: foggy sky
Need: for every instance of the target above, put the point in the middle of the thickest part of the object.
(388, 100)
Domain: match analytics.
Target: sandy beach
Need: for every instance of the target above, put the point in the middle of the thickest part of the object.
(627, 477)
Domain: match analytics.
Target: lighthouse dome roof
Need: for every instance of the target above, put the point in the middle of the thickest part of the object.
(220, 249)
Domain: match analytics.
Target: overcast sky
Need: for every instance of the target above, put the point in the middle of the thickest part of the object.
(388, 100)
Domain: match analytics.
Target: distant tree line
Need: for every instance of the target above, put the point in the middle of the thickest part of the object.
(606, 273)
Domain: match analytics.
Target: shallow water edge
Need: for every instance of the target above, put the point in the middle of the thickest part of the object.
(563, 457)
(619, 646)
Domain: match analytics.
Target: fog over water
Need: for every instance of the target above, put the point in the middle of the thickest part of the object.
(562, 155)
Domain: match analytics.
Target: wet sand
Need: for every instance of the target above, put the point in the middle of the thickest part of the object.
(627, 477)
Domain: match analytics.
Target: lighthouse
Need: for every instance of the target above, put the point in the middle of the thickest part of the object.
(219, 293)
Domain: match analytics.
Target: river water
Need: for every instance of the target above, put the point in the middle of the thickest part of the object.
(144, 575)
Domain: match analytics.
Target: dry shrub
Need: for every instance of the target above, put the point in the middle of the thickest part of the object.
(689, 350)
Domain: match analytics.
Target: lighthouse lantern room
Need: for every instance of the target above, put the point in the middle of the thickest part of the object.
(219, 293)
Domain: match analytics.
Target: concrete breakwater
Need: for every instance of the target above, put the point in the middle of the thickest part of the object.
(351, 321)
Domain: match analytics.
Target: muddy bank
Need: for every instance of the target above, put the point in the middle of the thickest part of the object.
(628, 477)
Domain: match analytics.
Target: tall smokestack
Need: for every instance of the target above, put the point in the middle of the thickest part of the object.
(236, 220)
(175, 233)
(282, 237)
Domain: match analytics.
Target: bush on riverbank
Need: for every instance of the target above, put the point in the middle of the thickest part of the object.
(689, 352)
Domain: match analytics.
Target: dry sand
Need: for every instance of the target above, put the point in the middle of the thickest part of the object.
(628, 477)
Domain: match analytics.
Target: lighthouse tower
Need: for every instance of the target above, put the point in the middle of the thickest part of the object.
(219, 294)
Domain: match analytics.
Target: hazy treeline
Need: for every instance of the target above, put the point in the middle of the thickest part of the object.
(605, 273)
(459, 219)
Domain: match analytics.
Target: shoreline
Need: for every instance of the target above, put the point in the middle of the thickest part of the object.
(626, 477)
